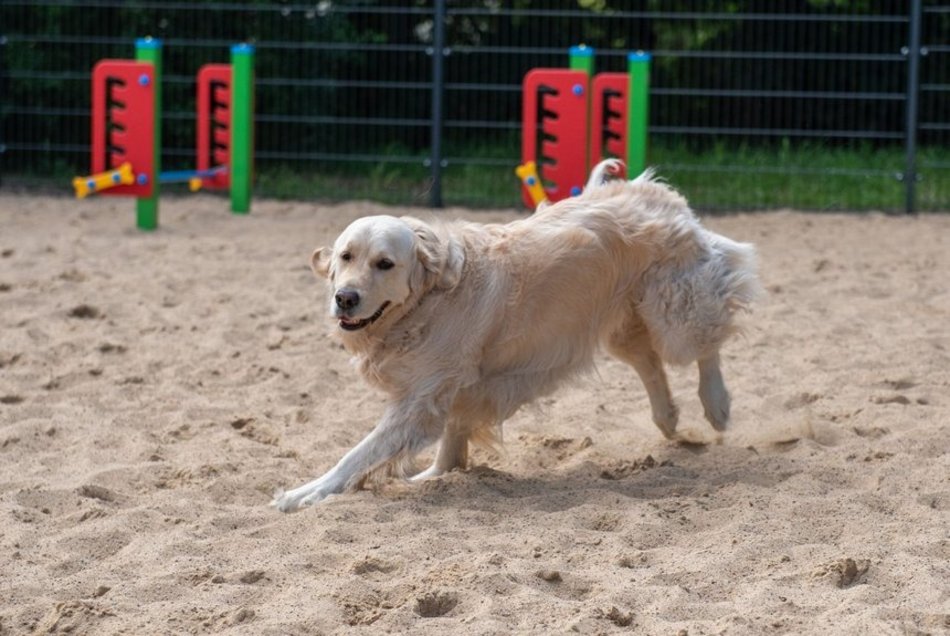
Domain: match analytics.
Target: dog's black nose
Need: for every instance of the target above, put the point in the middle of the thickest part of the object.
(347, 299)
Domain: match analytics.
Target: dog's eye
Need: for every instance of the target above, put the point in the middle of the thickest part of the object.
(385, 263)
(346, 257)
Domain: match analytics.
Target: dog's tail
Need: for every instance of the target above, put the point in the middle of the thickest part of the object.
(648, 175)
(607, 167)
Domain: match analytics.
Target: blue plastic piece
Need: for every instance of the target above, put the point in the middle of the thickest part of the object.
(246, 49)
(577, 90)
(575, 191)
(183, 176)
(582, 50)
(143, 80)
(91, 184)
(116, 178)
(142, 179)
(148, 43)
(639, 56)
(530, 181)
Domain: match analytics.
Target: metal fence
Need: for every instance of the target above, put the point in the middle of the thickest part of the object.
(798, 103)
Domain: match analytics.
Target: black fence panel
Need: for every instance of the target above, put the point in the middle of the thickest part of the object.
(756, 103)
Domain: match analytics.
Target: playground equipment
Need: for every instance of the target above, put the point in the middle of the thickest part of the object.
(127, 132)
(571, 121)
(85, 186)
(528, 173)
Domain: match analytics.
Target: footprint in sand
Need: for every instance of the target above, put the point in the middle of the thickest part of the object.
(373, 568)
(799, 400)
(435, 604)
(623, 469)
(844, 572)
(85, 312)
(871, 432)
(557, 583)
(101, 493)
(891, 399)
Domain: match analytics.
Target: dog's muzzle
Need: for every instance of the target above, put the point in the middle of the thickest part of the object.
(349, 324)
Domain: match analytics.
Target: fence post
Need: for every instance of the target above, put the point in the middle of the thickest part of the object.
(438, 86)
(912, 52)
(3, 147)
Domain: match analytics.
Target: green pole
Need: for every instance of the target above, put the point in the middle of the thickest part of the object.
(150, 50)
(242, 127)
(581, 58)
(638, 116)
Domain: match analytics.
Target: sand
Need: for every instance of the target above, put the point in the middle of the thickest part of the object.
(156, 388)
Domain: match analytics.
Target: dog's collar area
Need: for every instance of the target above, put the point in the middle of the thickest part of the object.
(355, 325)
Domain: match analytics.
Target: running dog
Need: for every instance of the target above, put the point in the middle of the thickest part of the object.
(460, 324)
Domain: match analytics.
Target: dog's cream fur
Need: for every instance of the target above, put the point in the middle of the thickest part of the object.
(478, 320)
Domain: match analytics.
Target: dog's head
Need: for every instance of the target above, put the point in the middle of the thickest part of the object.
(380, 266)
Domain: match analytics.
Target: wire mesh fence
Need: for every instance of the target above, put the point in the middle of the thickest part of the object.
(797, 103)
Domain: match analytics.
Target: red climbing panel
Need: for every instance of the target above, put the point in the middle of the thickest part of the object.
(214, 123)
(123, 122)
(608, 126)
(554, 130)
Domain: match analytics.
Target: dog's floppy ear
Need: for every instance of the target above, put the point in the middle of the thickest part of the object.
(440, 257)
(320, 261)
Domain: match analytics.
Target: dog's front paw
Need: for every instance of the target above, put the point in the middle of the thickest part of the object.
(283, 501)
(294, 500)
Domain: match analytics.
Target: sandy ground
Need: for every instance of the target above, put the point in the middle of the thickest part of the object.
(156, 388)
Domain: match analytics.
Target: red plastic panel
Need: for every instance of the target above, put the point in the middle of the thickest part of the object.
(214, 123)
(123, 122)
(554, 130)
(608, 123)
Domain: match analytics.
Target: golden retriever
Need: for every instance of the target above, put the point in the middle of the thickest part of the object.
(460, 324)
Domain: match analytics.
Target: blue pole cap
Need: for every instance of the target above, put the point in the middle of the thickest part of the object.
(582, 50)
(242, 49)
(148, 43)
(639, 56)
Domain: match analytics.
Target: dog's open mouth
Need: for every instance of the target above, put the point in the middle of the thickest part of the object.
(349, 324)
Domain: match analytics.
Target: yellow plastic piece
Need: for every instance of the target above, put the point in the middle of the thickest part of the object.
(85, 186)
(528, 173)
(194, 184)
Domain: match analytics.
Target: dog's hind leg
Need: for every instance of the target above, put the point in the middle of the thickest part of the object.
(713, 393)
(452, 453)
(632, 345)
